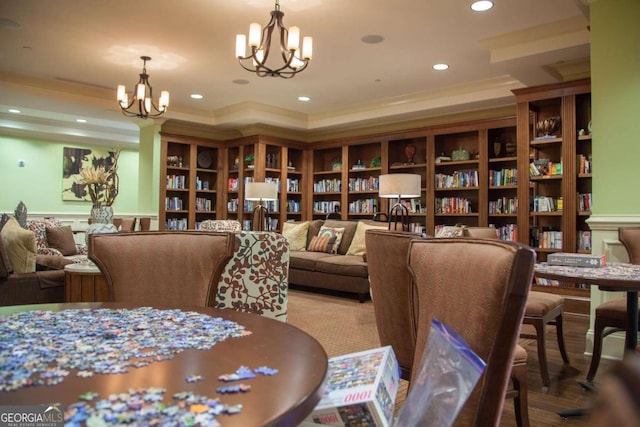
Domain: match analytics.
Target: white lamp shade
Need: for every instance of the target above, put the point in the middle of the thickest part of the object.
(261, 191)
(399, 185)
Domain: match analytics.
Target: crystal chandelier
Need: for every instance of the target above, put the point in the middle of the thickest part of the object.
(295, 60)
(142, 104)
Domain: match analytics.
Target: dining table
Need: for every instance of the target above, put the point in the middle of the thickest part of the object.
(612, 277)
(200, 364)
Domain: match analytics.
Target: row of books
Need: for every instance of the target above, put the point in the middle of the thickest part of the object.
(327, 185)
(584, 240)
(363, 206)
(176, 224)
(508, 232)
(584, 163)
(173, 204)
(269, 224)
(293, 184)
(326, 206)
(271, 205)
(363, 184)
(203, 204)
(541, 167)
(503, 205)
(455, 205)
(293, 206)
(459, 179)
(176, 182)
(584, 202)
(546, 239)
(232, 205)
(202, 185)
(503, 177)
(546, 204)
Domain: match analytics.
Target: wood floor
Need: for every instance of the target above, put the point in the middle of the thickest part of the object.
(564, 391)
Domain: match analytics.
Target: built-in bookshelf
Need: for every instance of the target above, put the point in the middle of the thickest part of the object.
(555, 168)
(189, 181)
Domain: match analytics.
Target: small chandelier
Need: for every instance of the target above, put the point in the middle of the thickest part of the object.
(294, 59)
(142, 104)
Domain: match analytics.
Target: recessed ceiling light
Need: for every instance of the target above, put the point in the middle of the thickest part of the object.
(81, 121)
(196, 96)
(372, 39)
(304, 98)
(482, 5)
(440, 67)
(14, 111)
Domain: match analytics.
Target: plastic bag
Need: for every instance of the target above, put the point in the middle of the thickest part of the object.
(448, 372)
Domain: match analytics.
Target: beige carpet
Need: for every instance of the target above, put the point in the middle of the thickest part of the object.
(343, 325)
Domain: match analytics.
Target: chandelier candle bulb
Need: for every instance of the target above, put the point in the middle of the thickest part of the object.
(121, 94)
(254, 34)
(164, 99)
(293, 41)
(307, 47)
(241, 45)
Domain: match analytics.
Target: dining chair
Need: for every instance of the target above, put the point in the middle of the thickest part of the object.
(162, 268)
(542, 309)
(128, 224)
(611, 316)
(391, 293)
(477, 287)
(394, 307)
(145, 223)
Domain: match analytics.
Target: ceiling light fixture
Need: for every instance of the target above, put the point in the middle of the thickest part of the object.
(295, 60)
(142, 103)
(304, 98)
(481, 5)
(441, 67)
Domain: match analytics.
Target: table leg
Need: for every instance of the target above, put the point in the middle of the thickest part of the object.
(631, 338)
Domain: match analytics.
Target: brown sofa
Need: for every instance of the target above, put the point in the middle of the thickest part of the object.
(337, 272)
(45, 285)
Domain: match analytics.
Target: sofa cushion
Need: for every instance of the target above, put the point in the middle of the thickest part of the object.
(357, 246)
(333, 233)
(314, 228)
(296, 234)
(39, 228)
(20, 245)
(61, 238)
(343, 265)
(5, 264)
(347, 236)
(304, 260)
(322, 244)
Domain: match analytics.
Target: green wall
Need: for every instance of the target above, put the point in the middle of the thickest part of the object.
(39, 183)
(615, 86)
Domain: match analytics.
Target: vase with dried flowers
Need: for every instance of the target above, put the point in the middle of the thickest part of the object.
(102, 184)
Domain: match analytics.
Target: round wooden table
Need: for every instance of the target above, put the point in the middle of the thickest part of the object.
(284, 399)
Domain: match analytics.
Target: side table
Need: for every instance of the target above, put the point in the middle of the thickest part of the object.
(84, 283)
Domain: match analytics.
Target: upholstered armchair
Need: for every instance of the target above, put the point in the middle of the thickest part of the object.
(256, 278)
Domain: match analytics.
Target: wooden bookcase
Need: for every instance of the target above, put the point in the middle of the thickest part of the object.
(189, 181)
(556, 203)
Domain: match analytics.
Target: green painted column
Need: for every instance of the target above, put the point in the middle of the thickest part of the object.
(149, 169)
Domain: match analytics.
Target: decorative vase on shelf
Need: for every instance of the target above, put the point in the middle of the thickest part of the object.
(497, 148)
(410, 152)
(101, 221)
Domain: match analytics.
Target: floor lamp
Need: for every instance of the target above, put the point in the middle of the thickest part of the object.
(397, 186)
(261, 191)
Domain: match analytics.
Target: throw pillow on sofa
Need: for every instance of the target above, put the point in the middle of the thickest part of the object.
(332, 232)
(296, 234)
(322, 244)
(61, 238)
(20, 245)
(357, 246)
(39, 228)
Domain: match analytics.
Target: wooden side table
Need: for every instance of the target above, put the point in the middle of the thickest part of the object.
(84, 283)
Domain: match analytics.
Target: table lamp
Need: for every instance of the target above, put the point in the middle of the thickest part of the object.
(260, 191)
(399, 185)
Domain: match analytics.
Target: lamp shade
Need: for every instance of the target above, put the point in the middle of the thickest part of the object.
(399, 185)
(261, 191)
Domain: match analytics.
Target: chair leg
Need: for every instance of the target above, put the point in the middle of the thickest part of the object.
(520, 403)
(597, 350)
(542, 351)
(560, 335)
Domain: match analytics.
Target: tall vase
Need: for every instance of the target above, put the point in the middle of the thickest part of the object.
(101, 221)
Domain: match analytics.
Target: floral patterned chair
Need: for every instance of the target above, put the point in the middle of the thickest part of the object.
(256, 279)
